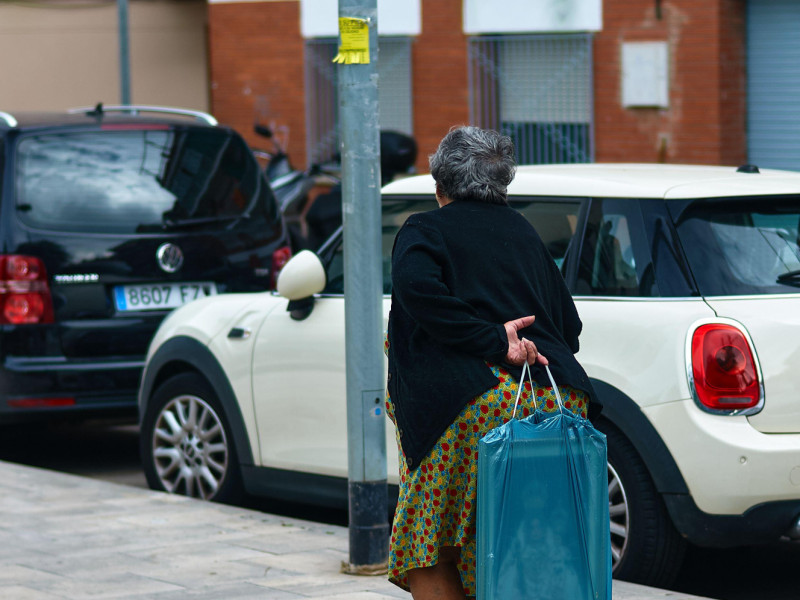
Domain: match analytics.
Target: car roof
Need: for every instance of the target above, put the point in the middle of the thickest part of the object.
(625, 180)
(83, 116)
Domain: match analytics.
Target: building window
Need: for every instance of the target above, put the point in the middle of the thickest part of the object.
(322, 115)
(538, 90)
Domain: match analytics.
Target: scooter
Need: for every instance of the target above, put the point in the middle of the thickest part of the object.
(324, 216)
(310, 226)
(289, 185)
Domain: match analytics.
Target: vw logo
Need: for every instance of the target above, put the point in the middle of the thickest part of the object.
(169, 257)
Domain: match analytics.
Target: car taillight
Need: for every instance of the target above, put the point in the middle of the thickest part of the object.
(24, 292)
(279, 259)
(726, 377)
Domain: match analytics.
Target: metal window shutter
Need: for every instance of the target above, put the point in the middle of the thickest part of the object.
(322, 105)
(394, 84)
(538, 89)
(773, 83)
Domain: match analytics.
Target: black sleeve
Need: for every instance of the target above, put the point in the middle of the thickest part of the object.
(418, 284)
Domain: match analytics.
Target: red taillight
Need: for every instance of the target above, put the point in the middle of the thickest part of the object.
(24, 292)
(724, 369)
(279, 259)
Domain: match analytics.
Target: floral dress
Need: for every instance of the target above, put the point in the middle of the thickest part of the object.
(437, 500)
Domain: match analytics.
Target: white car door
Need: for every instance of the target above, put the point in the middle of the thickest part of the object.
(299, 386)
(299, 390)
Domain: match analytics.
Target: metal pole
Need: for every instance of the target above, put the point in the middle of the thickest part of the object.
(124, 52)
(361, 209)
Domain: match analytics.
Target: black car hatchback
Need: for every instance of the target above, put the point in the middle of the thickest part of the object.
(109, 218)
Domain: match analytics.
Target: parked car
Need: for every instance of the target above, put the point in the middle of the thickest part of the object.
(110, 217)
(687, 279)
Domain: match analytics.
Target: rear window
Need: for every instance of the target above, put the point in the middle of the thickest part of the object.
(124, 182)
(554, 220)
(743, 246)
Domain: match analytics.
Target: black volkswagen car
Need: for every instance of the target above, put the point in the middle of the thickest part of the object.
(109, 218)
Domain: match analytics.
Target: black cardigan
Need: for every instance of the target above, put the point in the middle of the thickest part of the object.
(458, 273)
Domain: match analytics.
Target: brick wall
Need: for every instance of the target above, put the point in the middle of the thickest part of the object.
(256, 59)
(257, 69)
(706, 116)
(440, 80)
(733, 82)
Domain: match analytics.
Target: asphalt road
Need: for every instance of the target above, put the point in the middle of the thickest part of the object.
(110, 451)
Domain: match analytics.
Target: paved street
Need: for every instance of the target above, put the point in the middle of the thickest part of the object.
(69, 537)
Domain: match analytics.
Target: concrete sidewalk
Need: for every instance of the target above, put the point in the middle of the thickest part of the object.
(63, 536)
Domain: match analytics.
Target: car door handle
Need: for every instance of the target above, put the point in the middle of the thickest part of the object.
(239, 333)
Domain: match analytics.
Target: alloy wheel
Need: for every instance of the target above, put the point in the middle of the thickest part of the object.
(618, 512)
(190, 449)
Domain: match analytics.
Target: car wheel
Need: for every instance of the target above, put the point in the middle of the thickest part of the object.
(186, 442)
(645, 546)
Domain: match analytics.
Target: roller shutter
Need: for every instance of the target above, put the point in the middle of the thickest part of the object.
(773, 83)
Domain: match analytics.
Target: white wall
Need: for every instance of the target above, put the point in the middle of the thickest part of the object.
(319, 18)
(532, 16)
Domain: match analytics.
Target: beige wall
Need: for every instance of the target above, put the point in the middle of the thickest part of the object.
(61, 54)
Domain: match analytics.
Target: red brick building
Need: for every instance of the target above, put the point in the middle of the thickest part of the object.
(646, 80)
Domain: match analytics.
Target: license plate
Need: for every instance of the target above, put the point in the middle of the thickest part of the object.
(159, 296)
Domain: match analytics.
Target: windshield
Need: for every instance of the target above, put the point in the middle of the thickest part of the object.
(743, 246)
(147, 180)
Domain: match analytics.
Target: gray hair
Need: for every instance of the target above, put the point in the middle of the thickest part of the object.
(474, 164)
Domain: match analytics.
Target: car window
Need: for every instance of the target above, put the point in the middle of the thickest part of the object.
(614, 259)
(394, 212)
(743, 246)
(124, 181)
(555, 222)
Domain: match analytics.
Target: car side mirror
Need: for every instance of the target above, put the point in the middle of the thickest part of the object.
(301, 277)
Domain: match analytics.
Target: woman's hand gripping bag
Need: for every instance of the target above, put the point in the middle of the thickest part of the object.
(542, 514)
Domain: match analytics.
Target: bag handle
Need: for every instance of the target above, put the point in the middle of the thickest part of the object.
(527, 369)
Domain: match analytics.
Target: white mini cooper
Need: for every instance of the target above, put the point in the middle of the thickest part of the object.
(687, 280)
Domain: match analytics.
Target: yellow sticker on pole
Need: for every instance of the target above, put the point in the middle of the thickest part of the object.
(354, 45)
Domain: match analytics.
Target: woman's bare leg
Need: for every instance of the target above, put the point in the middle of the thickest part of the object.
(442, 581)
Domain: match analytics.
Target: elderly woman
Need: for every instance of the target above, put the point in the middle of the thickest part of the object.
(475, 296)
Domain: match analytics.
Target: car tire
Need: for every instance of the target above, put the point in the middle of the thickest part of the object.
(646, 547)
(186, 442)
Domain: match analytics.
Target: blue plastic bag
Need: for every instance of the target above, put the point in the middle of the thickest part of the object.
(543, 523)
